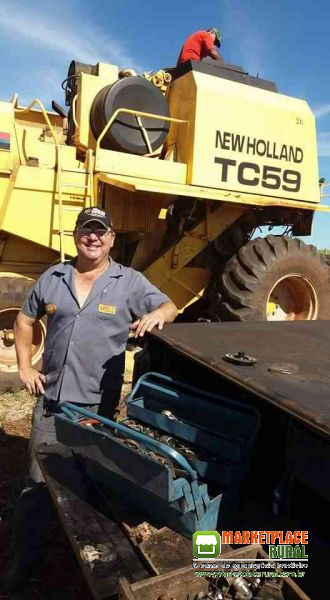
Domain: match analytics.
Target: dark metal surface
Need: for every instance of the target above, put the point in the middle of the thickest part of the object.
(89, 524)
(225, 71)
(302, 348)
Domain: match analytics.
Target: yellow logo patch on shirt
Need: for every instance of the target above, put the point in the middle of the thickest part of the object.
(107, 308)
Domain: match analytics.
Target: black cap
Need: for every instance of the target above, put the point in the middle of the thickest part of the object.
(93, 214)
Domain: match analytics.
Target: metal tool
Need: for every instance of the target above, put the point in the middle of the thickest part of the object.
(212, 432)
(127, 459)
(283, 369)
(169, 414)
(241, 588)
(240, 358)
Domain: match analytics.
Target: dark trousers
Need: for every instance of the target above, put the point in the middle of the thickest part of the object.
(34, 509)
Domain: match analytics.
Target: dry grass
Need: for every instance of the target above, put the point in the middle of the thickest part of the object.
(16, 408)
(129, 364)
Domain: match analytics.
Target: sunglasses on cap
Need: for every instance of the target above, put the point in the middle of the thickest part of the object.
(98, 231)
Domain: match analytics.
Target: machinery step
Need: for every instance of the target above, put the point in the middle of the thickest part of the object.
(74, 185)
(65, 232)
(72, 208)
(74, 171)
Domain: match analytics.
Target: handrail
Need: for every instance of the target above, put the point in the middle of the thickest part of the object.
(90, 172)
(74, 102)
(44, 112)
(322, 186)
(136, 113)
(14, 99)
(60, 203)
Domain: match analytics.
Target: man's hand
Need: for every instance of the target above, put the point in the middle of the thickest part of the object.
(33, 380)
(216, 56)
(148, 322)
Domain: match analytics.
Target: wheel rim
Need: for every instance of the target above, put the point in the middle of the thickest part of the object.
(8, 361)
(292, 298)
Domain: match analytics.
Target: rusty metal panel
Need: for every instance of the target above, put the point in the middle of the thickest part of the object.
(301, 348)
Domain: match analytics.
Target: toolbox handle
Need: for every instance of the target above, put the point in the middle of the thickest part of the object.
(130, 396)
(189, 388)
(69, 409)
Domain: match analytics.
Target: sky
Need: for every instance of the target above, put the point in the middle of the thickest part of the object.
(286, 41)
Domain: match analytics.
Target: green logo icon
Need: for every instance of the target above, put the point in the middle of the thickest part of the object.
(206, 544)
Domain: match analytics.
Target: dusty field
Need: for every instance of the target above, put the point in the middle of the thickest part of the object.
(59, 577)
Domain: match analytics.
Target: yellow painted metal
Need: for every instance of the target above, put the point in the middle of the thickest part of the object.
(87, 88)
(62, 186)
(10, 274)
(135, 184)
(170, 267)
(188, 286)
(50, 193)
(118, 163)
(160, 79)
(7, 126)
(40, 222)
(55, 180)
(21, 258)
(249, 126)
(60, 203)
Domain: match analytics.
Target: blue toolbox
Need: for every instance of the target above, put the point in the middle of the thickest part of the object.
(214, 433)
(175, 442)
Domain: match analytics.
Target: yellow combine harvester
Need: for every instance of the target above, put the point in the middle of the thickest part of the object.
(189, 162)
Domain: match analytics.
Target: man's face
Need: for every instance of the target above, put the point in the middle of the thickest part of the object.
(94, 241)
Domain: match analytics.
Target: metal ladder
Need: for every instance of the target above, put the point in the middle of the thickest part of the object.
(62, 186)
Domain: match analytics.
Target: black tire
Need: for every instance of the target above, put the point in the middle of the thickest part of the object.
(276, 270)
(13, 291)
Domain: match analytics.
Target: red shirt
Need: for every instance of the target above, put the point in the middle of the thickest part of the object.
(196, 47)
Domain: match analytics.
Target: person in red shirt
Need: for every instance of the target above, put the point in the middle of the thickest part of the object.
(201, 44)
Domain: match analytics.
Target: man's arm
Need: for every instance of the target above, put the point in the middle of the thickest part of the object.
(215, 55)
(32, 379)
(164, 313)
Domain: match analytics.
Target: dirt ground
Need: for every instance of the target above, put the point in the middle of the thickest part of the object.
(59, 577)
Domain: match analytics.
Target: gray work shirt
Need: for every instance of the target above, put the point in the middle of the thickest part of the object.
(84, 350)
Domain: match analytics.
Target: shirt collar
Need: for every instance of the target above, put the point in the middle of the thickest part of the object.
(66, 269)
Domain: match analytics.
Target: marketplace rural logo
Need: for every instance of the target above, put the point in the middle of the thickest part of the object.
(281, 545)
(206, 544)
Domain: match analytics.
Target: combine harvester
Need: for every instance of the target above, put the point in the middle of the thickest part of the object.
(189, 162)
(228, 424)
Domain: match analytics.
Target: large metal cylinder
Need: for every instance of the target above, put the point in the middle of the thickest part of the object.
(128, 133)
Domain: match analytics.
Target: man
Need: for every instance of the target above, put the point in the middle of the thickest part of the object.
(201, 45)
(92, 302)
